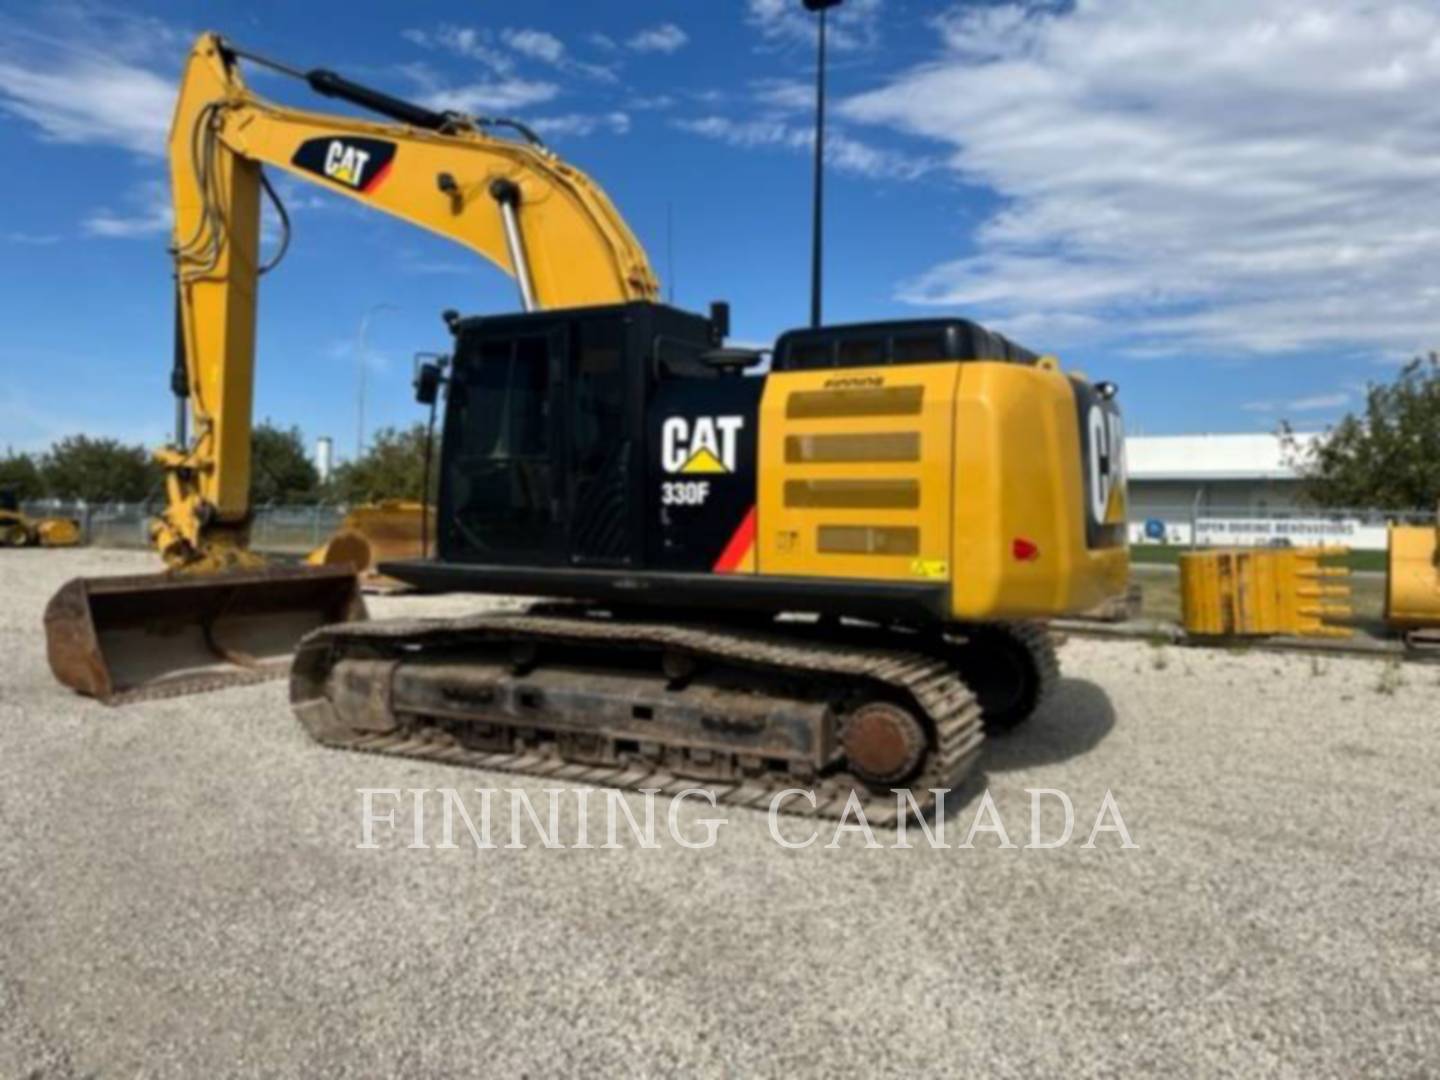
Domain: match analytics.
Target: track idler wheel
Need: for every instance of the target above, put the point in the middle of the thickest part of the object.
(1010, 670)
(884, 743)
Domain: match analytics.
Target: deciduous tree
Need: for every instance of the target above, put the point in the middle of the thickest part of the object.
(99, 470)
(1385, 456)
(393, 468)
(20, 474)
(280, 470)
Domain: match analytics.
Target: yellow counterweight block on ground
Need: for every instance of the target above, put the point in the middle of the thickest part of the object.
(1256, 592)
(971, 473)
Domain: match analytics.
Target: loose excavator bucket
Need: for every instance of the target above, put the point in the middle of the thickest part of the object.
(370, 535)
(1412, 580)
(125, 639)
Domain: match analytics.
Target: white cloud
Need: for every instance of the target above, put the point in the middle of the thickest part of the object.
(150, 214)
(546, 48)
(580, 124)
(536, 44)
(603, 41)
(665, 38)
(490, 49)
(841, 150)
(784, 95)
(32, 239)
(1312, 403)
(83, 97)
(492, 95)
(1252, 178)
(463, 41)
(851, 27)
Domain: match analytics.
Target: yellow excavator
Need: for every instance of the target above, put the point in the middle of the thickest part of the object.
(19, 530)
(831, 576)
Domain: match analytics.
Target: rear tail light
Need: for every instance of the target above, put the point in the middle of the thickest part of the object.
(1024, 550)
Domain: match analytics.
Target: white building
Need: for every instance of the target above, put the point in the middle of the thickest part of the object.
(1252, 473)
(1231, 490)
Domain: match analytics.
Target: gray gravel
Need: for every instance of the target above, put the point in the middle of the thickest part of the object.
(181, 894)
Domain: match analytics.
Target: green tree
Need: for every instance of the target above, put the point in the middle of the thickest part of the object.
(20, 474)
(99, 470)
(280, 470)
(1386, 456)
(393, 468)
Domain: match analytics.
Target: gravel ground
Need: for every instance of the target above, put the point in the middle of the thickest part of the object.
(181, 894)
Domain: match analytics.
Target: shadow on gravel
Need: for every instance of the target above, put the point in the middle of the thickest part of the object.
(1071, 723)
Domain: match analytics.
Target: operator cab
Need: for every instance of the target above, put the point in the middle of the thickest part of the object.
(562, 427)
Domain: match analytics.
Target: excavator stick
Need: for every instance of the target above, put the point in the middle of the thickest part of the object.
(122, 639)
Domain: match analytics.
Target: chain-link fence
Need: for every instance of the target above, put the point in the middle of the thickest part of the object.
(1212, 525)
(283, 530)
(293, 530)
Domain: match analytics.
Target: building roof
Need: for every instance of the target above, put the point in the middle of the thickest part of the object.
(1211, 457)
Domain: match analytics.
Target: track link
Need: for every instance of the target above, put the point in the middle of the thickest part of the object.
(928, 683)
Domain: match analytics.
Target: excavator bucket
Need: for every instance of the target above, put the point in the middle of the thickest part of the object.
(369, 535)
(1412, 581)
(123, 639)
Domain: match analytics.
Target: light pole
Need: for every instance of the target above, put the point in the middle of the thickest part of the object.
(817, 241)
(360, 354)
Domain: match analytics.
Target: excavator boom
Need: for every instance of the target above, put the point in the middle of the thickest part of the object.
(219, 609)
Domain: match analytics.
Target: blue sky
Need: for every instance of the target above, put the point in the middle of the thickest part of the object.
(1230, 208)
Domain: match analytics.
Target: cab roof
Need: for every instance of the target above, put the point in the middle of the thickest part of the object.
(905, 341)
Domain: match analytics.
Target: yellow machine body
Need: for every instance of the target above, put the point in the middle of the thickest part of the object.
(1412, 583)
(970, 473)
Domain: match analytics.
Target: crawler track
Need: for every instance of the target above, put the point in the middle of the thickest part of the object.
(826, 667)
(1030, 659)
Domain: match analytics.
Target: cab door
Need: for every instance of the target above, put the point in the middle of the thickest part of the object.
(502, 489)
(603, 412)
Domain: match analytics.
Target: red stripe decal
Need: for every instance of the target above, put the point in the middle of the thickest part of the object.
(738, 546)
(375, 181)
